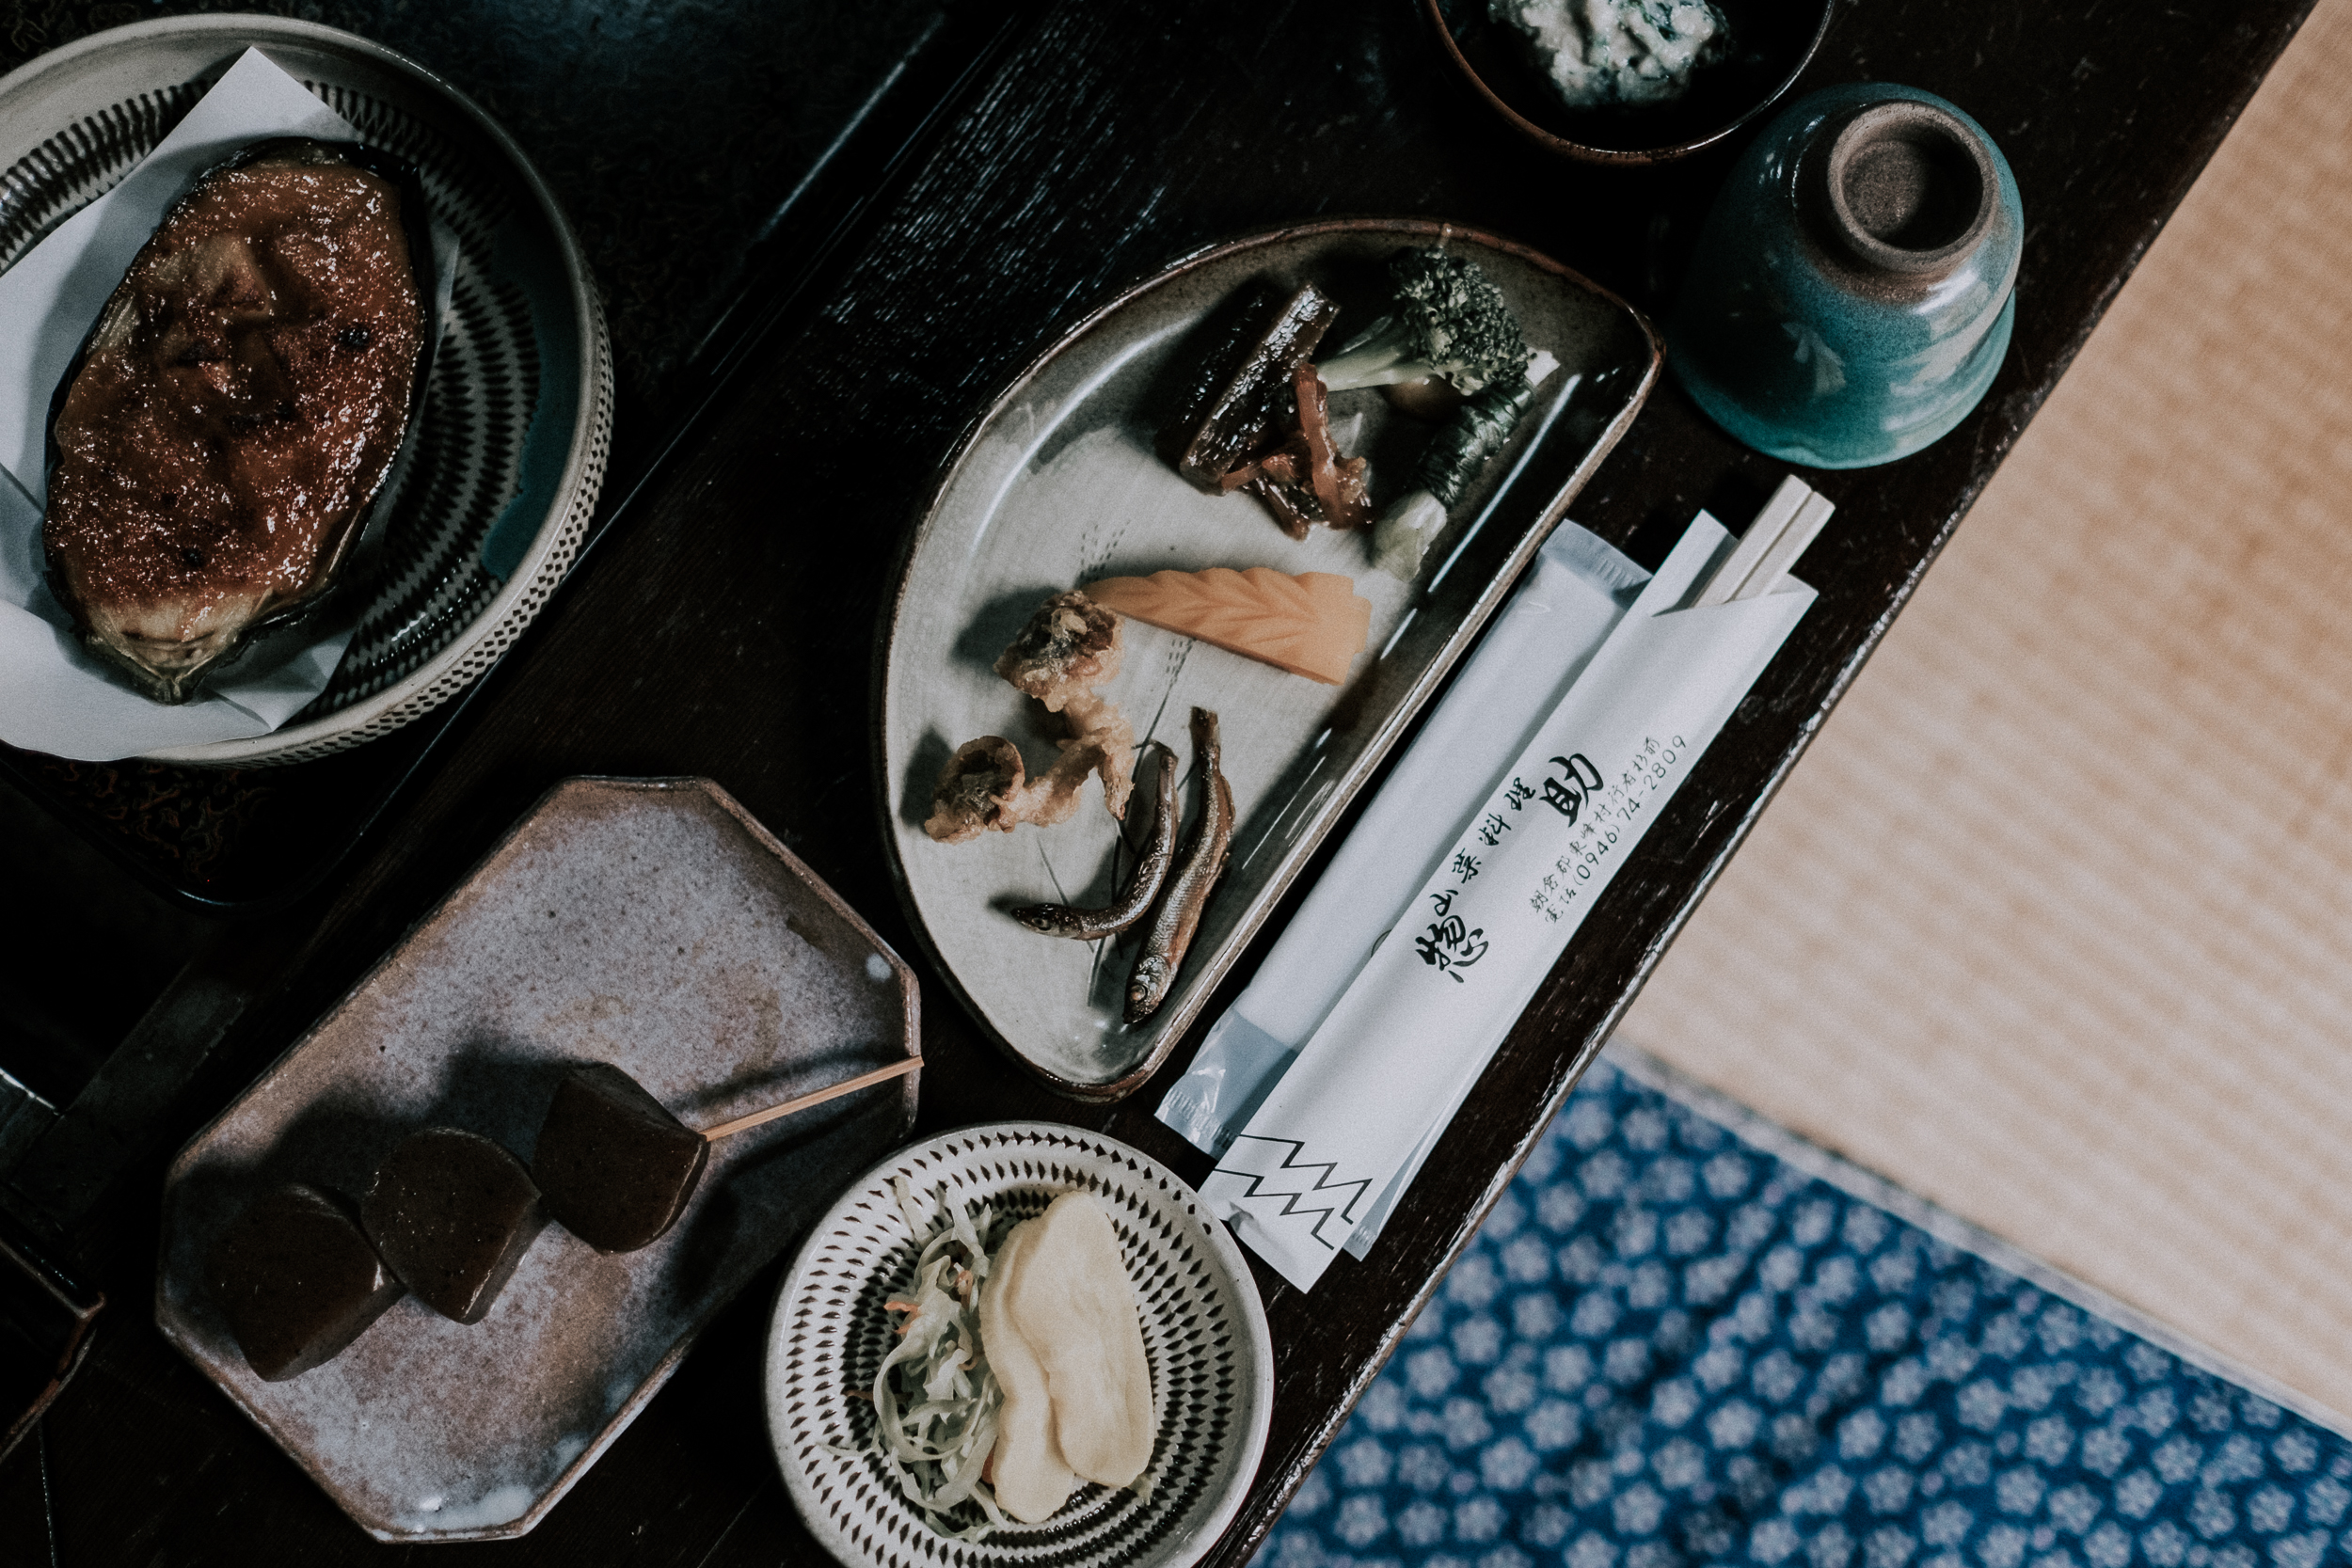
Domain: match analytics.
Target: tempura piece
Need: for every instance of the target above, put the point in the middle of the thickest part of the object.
(986, 787)
(1071, 647)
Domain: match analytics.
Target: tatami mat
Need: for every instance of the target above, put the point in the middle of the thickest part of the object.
(2053, 925)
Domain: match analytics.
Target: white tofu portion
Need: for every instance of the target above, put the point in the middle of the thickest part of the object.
(1026, 1468)
(1069, 1298)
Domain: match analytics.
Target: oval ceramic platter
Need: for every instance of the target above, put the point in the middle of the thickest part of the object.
(648, 923)
(1056, 484)
(1204, 1339)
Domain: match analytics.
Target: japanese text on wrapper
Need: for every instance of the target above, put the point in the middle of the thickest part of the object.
(1596, 807)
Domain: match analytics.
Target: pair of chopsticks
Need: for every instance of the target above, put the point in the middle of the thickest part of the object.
(1790, 521)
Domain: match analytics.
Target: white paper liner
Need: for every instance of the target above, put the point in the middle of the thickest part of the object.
(56, 693)
(55, 697)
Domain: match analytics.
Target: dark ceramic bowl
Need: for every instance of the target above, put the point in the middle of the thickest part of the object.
(1773, 40)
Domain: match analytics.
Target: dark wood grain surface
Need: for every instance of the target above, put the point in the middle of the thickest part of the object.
(711, 159)
(726, 626)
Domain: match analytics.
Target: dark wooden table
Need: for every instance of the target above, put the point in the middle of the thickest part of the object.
(724, 626)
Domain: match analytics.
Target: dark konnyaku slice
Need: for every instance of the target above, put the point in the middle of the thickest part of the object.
(614, 1166)
(216, 444)
(298, 1279)
(1242, 384)
(619, 1170)
(453, 1212)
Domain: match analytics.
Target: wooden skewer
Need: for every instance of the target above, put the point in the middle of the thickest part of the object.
(863, 1080)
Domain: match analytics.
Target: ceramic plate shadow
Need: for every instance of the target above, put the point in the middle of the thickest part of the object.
(647, 923)
(1057, 486)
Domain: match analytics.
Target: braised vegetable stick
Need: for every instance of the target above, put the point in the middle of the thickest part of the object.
(937, 1405)
(1196, 877)
(1307, 479)
(1338, 481)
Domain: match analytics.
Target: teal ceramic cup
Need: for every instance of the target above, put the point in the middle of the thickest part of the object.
(1855, 284)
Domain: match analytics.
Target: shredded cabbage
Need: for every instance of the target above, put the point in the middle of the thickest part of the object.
(936, 1404)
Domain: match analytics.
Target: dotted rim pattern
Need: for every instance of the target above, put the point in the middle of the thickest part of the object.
(430, 619)
(1204, 1336)
(478, 645)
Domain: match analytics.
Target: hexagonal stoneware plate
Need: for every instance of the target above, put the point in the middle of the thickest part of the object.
(651, 923)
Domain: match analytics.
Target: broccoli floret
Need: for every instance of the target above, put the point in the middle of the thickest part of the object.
(1447, 319)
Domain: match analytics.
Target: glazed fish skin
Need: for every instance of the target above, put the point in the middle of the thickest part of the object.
(236, 408)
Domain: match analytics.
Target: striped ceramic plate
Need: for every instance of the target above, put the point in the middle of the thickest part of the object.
(510, 453)
(1204, 1334)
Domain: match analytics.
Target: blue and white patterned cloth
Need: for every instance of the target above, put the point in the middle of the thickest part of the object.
(1672, 1344)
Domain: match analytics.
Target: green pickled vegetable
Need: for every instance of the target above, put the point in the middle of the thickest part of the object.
(1449, 464)
(1476, 433)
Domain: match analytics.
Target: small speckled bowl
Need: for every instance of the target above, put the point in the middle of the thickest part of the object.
(648, 923)
(1772, 41)
(1204, 1334)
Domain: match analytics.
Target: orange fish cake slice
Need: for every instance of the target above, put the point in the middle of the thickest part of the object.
(1312, 625)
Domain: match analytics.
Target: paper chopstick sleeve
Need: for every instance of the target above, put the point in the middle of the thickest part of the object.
(1427, 1011)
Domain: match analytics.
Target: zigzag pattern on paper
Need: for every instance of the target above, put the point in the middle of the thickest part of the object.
(1273, 1169)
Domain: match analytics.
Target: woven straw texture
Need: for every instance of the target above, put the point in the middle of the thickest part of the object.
(2053, 922)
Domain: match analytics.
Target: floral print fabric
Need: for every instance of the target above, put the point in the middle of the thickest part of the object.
(1669, 1346)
